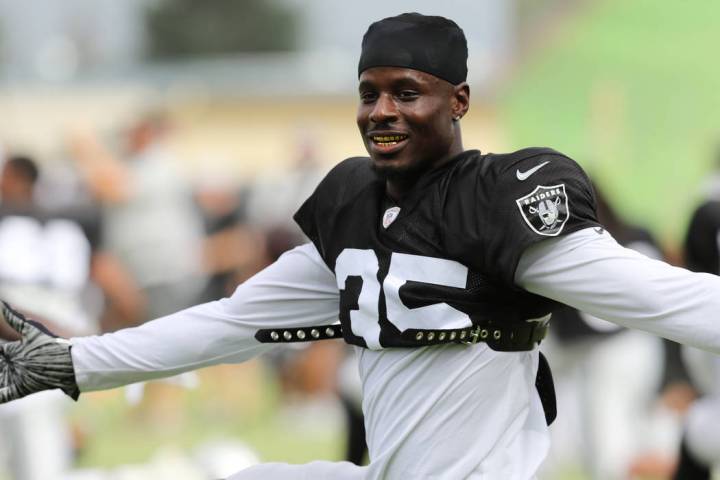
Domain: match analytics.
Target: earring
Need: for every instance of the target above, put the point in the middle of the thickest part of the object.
(456, 118)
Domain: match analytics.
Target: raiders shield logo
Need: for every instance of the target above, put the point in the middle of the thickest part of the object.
(545, 209)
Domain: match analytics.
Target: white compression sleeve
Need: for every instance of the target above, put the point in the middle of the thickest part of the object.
(297, 290)
(593, 273)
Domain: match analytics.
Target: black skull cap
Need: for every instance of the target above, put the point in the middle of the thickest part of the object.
(431, 44)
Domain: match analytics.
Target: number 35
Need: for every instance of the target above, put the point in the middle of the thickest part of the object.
(403, 268)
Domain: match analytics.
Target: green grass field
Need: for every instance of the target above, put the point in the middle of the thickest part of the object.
(630, 90)
(233, 402)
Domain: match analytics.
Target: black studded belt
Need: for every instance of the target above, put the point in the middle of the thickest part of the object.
(292, 335)
(511, 337)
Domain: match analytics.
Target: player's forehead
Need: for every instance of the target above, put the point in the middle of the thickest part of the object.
(379, 77)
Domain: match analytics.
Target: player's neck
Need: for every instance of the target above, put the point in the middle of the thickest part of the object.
(397, 187)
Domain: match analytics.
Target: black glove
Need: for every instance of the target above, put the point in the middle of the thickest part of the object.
(38, 361)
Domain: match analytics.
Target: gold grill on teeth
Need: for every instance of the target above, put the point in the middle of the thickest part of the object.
(389, 138)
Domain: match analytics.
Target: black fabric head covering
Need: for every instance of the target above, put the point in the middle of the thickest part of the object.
(433, 45)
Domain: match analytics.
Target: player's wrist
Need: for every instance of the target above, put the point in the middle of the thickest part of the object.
(71, 388)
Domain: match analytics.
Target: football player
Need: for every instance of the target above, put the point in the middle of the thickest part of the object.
(700, 449)
(605, 408)
(442, 265)
(49, 258)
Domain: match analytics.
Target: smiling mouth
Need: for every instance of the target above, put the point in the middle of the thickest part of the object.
(387, 140)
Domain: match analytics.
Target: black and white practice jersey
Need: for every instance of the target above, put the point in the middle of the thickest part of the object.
(45, 262)
(478, 235)
(47, 247)
(702, 241)
(445, 256)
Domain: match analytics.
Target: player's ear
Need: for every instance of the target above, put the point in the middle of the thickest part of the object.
(460, 100)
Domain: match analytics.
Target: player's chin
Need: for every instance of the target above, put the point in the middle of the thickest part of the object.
(391, 161)
(387, 167)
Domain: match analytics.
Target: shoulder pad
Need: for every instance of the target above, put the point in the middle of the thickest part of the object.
(346, 179)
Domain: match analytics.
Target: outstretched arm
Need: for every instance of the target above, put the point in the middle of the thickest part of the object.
(591, 272)
(297, 290)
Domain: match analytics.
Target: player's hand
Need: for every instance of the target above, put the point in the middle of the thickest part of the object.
(38, 361)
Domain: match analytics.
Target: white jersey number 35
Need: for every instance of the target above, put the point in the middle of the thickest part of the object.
(403, 268)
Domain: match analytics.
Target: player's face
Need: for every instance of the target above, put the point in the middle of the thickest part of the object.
(406, 119)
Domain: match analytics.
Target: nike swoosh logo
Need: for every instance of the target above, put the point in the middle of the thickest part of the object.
(524, 175)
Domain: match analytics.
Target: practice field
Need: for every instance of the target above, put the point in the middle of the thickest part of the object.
(233, 402)
(630, 90)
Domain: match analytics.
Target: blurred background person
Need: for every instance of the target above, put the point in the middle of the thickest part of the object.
(150, 221)
(319, 380)
(700, 449)
(233, 250)
(273, 199)
(608, 379)
(153, 227)
(52, 265)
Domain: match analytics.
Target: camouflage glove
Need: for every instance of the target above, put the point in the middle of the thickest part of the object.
(39, 361)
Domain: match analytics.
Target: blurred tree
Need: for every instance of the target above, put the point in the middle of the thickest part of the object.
(180, 28)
